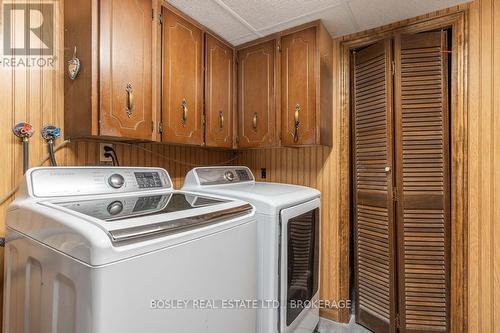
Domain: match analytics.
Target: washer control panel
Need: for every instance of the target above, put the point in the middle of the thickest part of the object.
(223, 175)
(68, 181)
(148, 179)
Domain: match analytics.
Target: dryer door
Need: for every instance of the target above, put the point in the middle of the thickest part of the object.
(299, 267)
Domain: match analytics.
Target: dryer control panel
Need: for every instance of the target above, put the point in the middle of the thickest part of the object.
(70, 181)
(219, 175)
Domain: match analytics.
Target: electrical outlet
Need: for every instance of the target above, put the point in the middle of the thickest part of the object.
(103, 158)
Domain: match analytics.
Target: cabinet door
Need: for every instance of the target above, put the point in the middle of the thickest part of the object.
(125, 68)
(182, 81)
(256, 96)
(298, 81)
(218, 94)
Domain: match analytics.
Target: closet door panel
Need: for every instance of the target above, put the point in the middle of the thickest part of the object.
(372, 179)
(422, 150)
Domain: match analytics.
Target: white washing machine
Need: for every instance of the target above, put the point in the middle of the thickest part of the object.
(101, 250)
(288, 219)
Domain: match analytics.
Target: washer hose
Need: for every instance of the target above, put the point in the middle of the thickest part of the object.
(26, 155)
(50, 133)
(24, 131)
(52, 155)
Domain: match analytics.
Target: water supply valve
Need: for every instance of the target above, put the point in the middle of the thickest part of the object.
(50, 132)
(23, 130)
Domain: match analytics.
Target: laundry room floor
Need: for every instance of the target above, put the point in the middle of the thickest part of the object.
(327, 326)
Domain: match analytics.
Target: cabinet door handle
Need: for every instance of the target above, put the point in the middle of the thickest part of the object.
(254, 121)
(221, 119)
(130, 100)
(296, 123)
(184, 108)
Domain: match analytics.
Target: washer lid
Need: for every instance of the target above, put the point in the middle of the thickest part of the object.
(130, 218)
(268, 198)
(126, 207)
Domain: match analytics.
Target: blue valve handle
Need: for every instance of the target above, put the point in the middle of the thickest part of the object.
(51, 132)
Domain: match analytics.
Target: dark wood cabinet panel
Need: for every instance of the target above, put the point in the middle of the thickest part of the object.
(219, 59)
(257, 95)
(182, 92)
(306, 86)
(81, 95)
(298, 82)
(112, 94)
(125, 68)
(300, 94)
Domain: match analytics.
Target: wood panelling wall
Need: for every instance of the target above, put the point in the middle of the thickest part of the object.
(484, 166)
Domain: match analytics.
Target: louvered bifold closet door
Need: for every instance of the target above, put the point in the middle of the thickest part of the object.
(373, 202)
(423, 209)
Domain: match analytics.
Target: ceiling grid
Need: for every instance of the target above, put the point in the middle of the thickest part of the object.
(241, 21)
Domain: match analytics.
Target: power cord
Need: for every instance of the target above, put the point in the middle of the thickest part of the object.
(110, 155)
(174, 160)
(110, 152)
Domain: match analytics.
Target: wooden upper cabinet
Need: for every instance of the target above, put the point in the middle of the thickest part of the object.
(257, 96)
(306, 87)
(112, 94)
(125, 68)
(219, 74)
(298, 97)
(182, 93)
(286, 78)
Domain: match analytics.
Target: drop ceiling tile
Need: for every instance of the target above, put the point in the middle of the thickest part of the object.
(214, 17)
(374, 13)
(264, 14)
(370, 14)
(242, 39)
(337, 21)
(240, 21)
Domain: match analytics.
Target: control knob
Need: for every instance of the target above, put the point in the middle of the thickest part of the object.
(116, 180)
(229, 175)
(115, 208)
